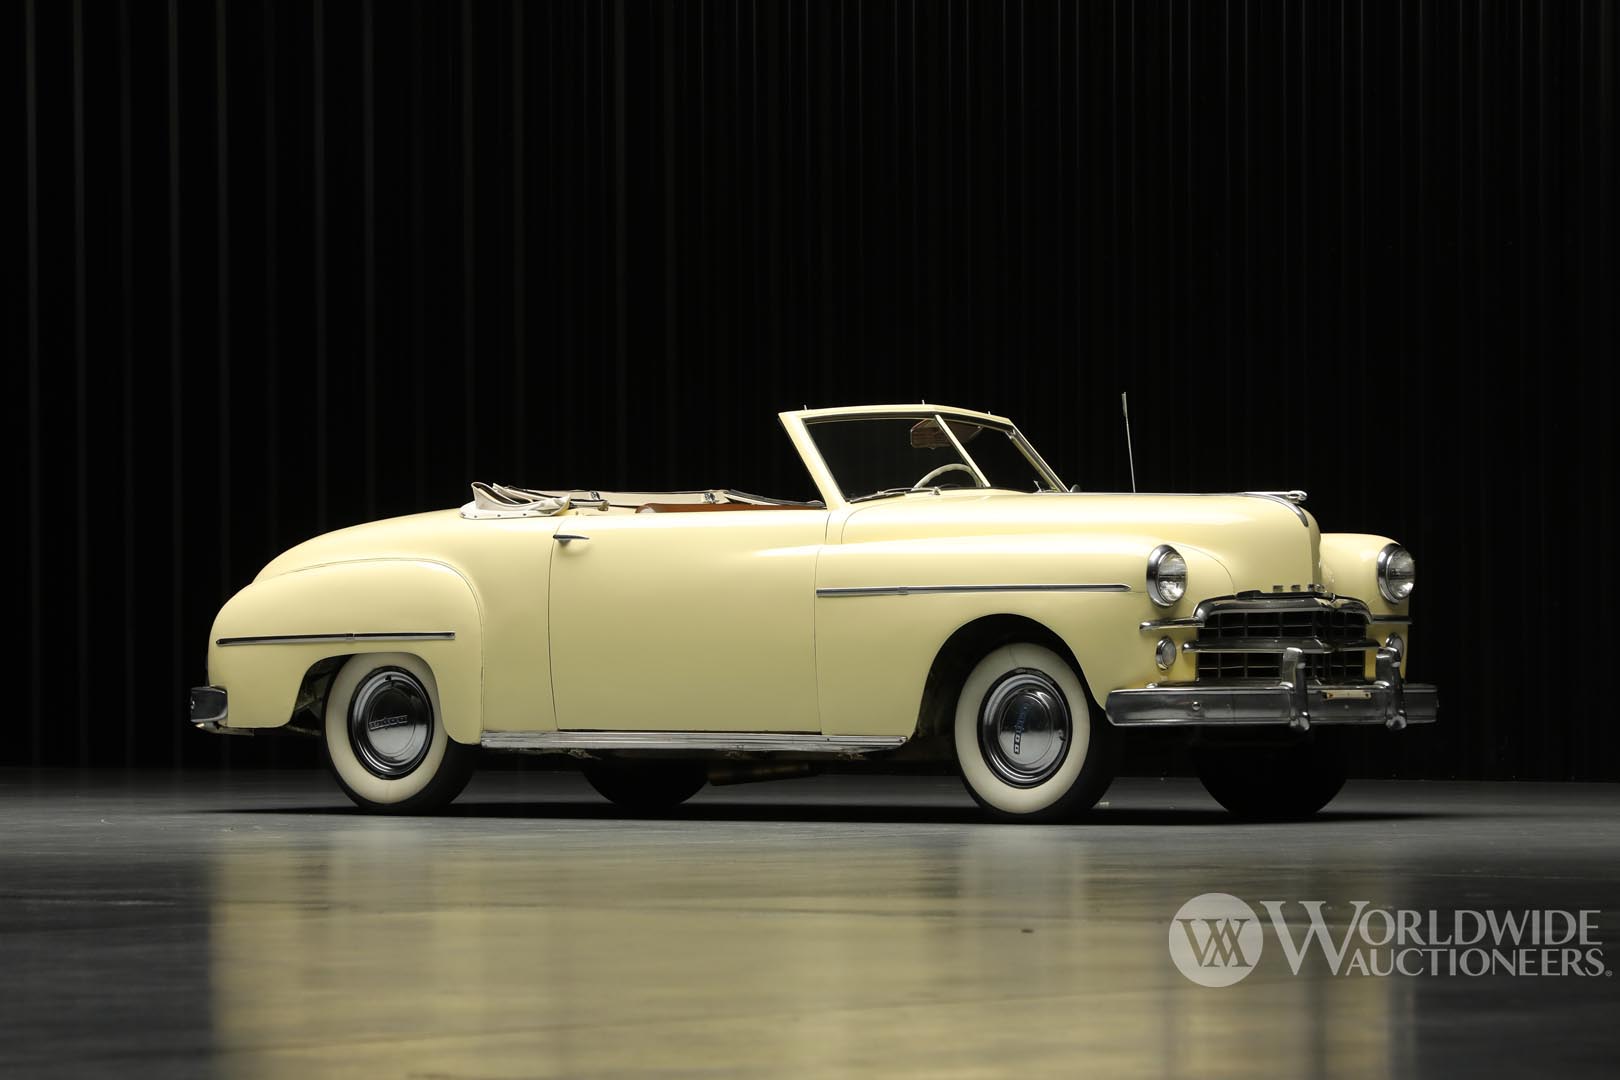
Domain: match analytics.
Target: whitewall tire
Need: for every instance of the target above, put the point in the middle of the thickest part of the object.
(385, 738)
(1028, 743)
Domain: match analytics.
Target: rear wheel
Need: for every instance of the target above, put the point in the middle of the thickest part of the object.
(385, 739)
(1028, 742)
(646, 786)
(1271, 783)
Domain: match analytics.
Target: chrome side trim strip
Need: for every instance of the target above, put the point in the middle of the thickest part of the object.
(906, 590)
(324, 639)
(1407, 619)
(755, 741)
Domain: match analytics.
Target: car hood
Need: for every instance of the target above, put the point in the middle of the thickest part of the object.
(1262, 540)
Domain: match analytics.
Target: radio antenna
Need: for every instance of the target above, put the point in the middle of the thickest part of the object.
(1130, 455)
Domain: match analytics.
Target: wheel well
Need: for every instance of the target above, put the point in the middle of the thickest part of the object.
(965, 648)
(309, 707)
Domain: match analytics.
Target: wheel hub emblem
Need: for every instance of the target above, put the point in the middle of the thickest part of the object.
(390, 723)
(1025, 727)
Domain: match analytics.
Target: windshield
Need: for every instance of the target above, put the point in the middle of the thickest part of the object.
(873, 456)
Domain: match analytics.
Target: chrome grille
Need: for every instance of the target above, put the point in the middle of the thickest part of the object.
(1329, 625)
(1328, 667)
(1336, 626)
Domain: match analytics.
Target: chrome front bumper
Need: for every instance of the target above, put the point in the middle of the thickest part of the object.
(208, 709)
(1292, 700)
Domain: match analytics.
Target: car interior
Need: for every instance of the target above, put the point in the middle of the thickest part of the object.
(501, 500)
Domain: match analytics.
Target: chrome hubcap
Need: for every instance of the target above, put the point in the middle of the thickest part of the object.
(1025, 728)
(390, 723)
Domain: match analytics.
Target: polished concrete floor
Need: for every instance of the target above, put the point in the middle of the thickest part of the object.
(253, 925)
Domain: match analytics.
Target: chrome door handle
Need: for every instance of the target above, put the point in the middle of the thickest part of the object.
(563, 538)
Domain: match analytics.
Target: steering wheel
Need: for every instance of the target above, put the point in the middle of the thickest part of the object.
(942, 470)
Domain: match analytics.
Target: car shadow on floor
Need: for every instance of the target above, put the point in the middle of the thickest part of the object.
(850, 813)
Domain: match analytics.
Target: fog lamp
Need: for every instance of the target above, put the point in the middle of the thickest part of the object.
(1395, 644)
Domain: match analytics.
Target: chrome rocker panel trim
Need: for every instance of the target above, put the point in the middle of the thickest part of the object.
(1290, 701)
(723, 741)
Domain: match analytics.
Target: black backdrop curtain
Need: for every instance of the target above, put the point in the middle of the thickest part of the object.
(283, 266)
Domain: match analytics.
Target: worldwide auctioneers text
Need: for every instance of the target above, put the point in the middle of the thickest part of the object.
(1216, 939)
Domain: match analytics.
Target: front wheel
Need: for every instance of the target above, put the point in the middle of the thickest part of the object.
(1271, 783)
(385, 739)
(1028, 743)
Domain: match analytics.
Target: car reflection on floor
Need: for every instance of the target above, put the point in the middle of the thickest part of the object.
(253, 925)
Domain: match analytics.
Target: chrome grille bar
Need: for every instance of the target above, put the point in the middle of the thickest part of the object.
(1248, 636)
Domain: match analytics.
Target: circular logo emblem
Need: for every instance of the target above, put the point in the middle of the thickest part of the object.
(1215, 939)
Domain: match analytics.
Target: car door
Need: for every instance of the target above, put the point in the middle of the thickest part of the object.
(696, 621)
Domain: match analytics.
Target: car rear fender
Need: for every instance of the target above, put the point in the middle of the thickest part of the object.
(268, 635)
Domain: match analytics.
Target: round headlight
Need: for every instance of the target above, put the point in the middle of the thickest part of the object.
(1397, 572)
(1166, 575)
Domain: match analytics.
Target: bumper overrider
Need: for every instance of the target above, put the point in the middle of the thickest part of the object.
(1295, 697)
(209, 709)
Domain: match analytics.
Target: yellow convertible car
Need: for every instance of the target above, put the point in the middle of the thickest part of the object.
(946, 604)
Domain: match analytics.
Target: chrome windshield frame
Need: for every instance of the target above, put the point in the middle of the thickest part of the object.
(967, 458)
(798, 425)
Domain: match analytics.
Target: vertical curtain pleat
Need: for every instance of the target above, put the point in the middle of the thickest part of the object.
(285, 266)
